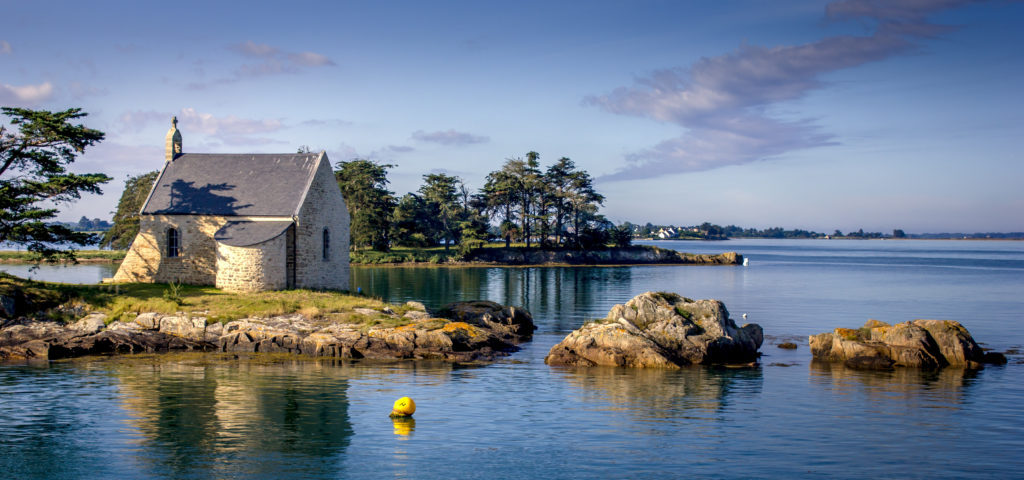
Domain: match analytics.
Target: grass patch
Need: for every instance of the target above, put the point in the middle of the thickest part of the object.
(668, 296)
(125, 301)
(19, 256)
(401, 255)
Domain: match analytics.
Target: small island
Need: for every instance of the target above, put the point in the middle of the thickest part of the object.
(41, 320)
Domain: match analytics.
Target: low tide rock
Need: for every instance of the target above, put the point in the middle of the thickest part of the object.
(660, 330)
(463, 331)
(917, 343)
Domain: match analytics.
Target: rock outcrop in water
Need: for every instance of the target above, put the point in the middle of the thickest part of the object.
(660, 330)
(462, 331)
(917, 343)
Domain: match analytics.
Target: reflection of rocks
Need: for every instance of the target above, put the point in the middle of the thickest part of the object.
(663, 393)
(660, 330)
(912, 384)
(470, 331)
(917, 343)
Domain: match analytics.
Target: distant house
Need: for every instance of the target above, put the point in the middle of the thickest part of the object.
(666, 233)
(242, 222)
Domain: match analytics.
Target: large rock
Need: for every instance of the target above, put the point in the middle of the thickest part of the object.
(917, 343)
(660, 330)
(462, 331)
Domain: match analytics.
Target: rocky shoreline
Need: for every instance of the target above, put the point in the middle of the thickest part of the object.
(460, 332)
(652, 330)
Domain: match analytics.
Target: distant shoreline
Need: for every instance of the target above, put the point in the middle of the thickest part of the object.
(967, 239)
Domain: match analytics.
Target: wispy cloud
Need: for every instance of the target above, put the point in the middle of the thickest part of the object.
(228, 129)
(253, 49)
(80, 91)
(325, 122)
(449, 137)
(344, 153)
(270, 61)
(722, 102)
(5, 48)
(310, 59)
(26, 95)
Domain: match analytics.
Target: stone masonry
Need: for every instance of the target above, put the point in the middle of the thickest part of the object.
(207, 197)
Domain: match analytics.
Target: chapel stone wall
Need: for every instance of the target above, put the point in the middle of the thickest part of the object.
(323, 207)
(252, 268)
(196, 262)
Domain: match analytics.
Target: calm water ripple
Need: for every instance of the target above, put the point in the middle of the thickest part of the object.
(191, 418)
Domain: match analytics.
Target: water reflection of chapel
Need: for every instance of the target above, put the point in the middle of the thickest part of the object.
(241, 222)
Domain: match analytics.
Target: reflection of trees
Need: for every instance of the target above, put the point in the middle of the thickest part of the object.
(950, 384)
(435, 287)
(664, 394)
(206, 420)
(566, 296)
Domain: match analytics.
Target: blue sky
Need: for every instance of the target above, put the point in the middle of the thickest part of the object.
(817, 115)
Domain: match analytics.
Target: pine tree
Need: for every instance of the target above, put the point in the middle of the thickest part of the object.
(34, 177)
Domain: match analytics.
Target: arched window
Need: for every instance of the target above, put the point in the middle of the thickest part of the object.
(327, 244)
(173, 242)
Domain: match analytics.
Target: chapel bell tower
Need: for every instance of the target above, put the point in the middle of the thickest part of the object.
(173, 141)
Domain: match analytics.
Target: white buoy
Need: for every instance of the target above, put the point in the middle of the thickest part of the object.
(744, 316)
(746, 261)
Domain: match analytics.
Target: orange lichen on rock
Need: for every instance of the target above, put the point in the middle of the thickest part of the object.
(847, 333)
(872, 323)
(453, 326)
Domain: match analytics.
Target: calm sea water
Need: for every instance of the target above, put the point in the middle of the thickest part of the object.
(518, 418)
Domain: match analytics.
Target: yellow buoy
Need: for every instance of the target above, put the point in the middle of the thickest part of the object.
(404, 407)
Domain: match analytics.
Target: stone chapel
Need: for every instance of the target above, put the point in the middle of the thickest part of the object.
(242, 222)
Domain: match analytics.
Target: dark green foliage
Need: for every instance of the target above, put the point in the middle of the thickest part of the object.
(126, 218)
(557, 208)
(499, 194)
(407, 221)
(622, 235)
(440, 195)
(370, 205)
(34, 176)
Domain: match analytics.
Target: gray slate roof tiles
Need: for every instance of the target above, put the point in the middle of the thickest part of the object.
(233, 184)
(245, 233)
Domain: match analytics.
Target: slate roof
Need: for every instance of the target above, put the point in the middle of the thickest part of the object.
(233, 184)
(245, 233)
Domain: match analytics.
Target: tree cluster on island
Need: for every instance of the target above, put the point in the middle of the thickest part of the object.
(85, 224)
(552, 208)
